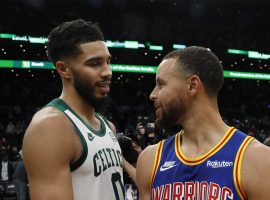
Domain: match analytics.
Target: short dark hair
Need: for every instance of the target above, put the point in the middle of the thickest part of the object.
(203, 63)
(64, 40)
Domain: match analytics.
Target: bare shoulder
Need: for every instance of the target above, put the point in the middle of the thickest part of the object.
(48, 130)
(46, 120)
(45, 115)
(145, 165)
(255, 171)
(146, 161)
(48, 149)
(148, 153)
(256, 155)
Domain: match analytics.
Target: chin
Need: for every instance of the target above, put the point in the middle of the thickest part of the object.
(101, 97)
(163, 122)
(158, 123)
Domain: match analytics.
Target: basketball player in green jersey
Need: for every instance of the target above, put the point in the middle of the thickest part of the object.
(70, 151)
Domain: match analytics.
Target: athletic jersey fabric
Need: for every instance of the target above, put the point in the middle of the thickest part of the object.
(212, 176)
(98, 173)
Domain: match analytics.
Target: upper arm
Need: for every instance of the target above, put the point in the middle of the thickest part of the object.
(47, 152)
(144, 170)
(255, 171)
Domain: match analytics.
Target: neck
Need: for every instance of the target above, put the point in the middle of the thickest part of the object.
(204, 127)
(78, 104)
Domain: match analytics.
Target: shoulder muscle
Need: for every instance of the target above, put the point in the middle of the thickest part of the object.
(144, 169)
(48, 148)
(254, 171)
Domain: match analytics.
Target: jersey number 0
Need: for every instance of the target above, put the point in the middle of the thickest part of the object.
(118, 186)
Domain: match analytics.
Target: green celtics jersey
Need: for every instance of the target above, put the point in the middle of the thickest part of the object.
(98, 173)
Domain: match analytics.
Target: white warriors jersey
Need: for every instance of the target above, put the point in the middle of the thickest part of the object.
(98, 173)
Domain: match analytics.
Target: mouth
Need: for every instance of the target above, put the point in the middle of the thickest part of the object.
(157, 108)
(103, 83)
(104, 86)
(157, 111)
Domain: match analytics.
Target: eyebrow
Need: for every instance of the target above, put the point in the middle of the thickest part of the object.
(159, 80)
(97, 58)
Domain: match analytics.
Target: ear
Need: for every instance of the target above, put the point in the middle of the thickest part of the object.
(194, 84)
(63, 69)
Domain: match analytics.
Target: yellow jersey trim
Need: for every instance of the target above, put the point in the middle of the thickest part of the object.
(237, 167)
(201, 159)
(156, 162)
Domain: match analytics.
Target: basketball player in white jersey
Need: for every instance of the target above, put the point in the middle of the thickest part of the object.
(70, 151)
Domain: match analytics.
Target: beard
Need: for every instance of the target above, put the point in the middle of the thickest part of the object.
(86, 91)
(170, 116)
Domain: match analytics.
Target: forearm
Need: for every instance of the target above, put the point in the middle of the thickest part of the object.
(130, 169)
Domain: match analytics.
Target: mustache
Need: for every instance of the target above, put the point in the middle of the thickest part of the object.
(103, 83)
(156, 105)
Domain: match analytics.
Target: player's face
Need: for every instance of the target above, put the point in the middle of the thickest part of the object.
(169, 94)
(92, 73)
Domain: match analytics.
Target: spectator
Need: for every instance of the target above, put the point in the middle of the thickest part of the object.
(20, 180)
(10, 128)
(6, 168)
(14, 154)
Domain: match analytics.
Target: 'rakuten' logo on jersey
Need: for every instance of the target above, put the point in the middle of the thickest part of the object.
(218, 164)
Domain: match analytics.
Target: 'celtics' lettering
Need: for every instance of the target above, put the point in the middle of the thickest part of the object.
(106, 158)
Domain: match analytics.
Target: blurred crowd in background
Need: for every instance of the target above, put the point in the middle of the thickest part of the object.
(244, 104)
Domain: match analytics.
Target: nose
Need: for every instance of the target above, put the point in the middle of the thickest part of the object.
(106, 71)
(153, 94)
